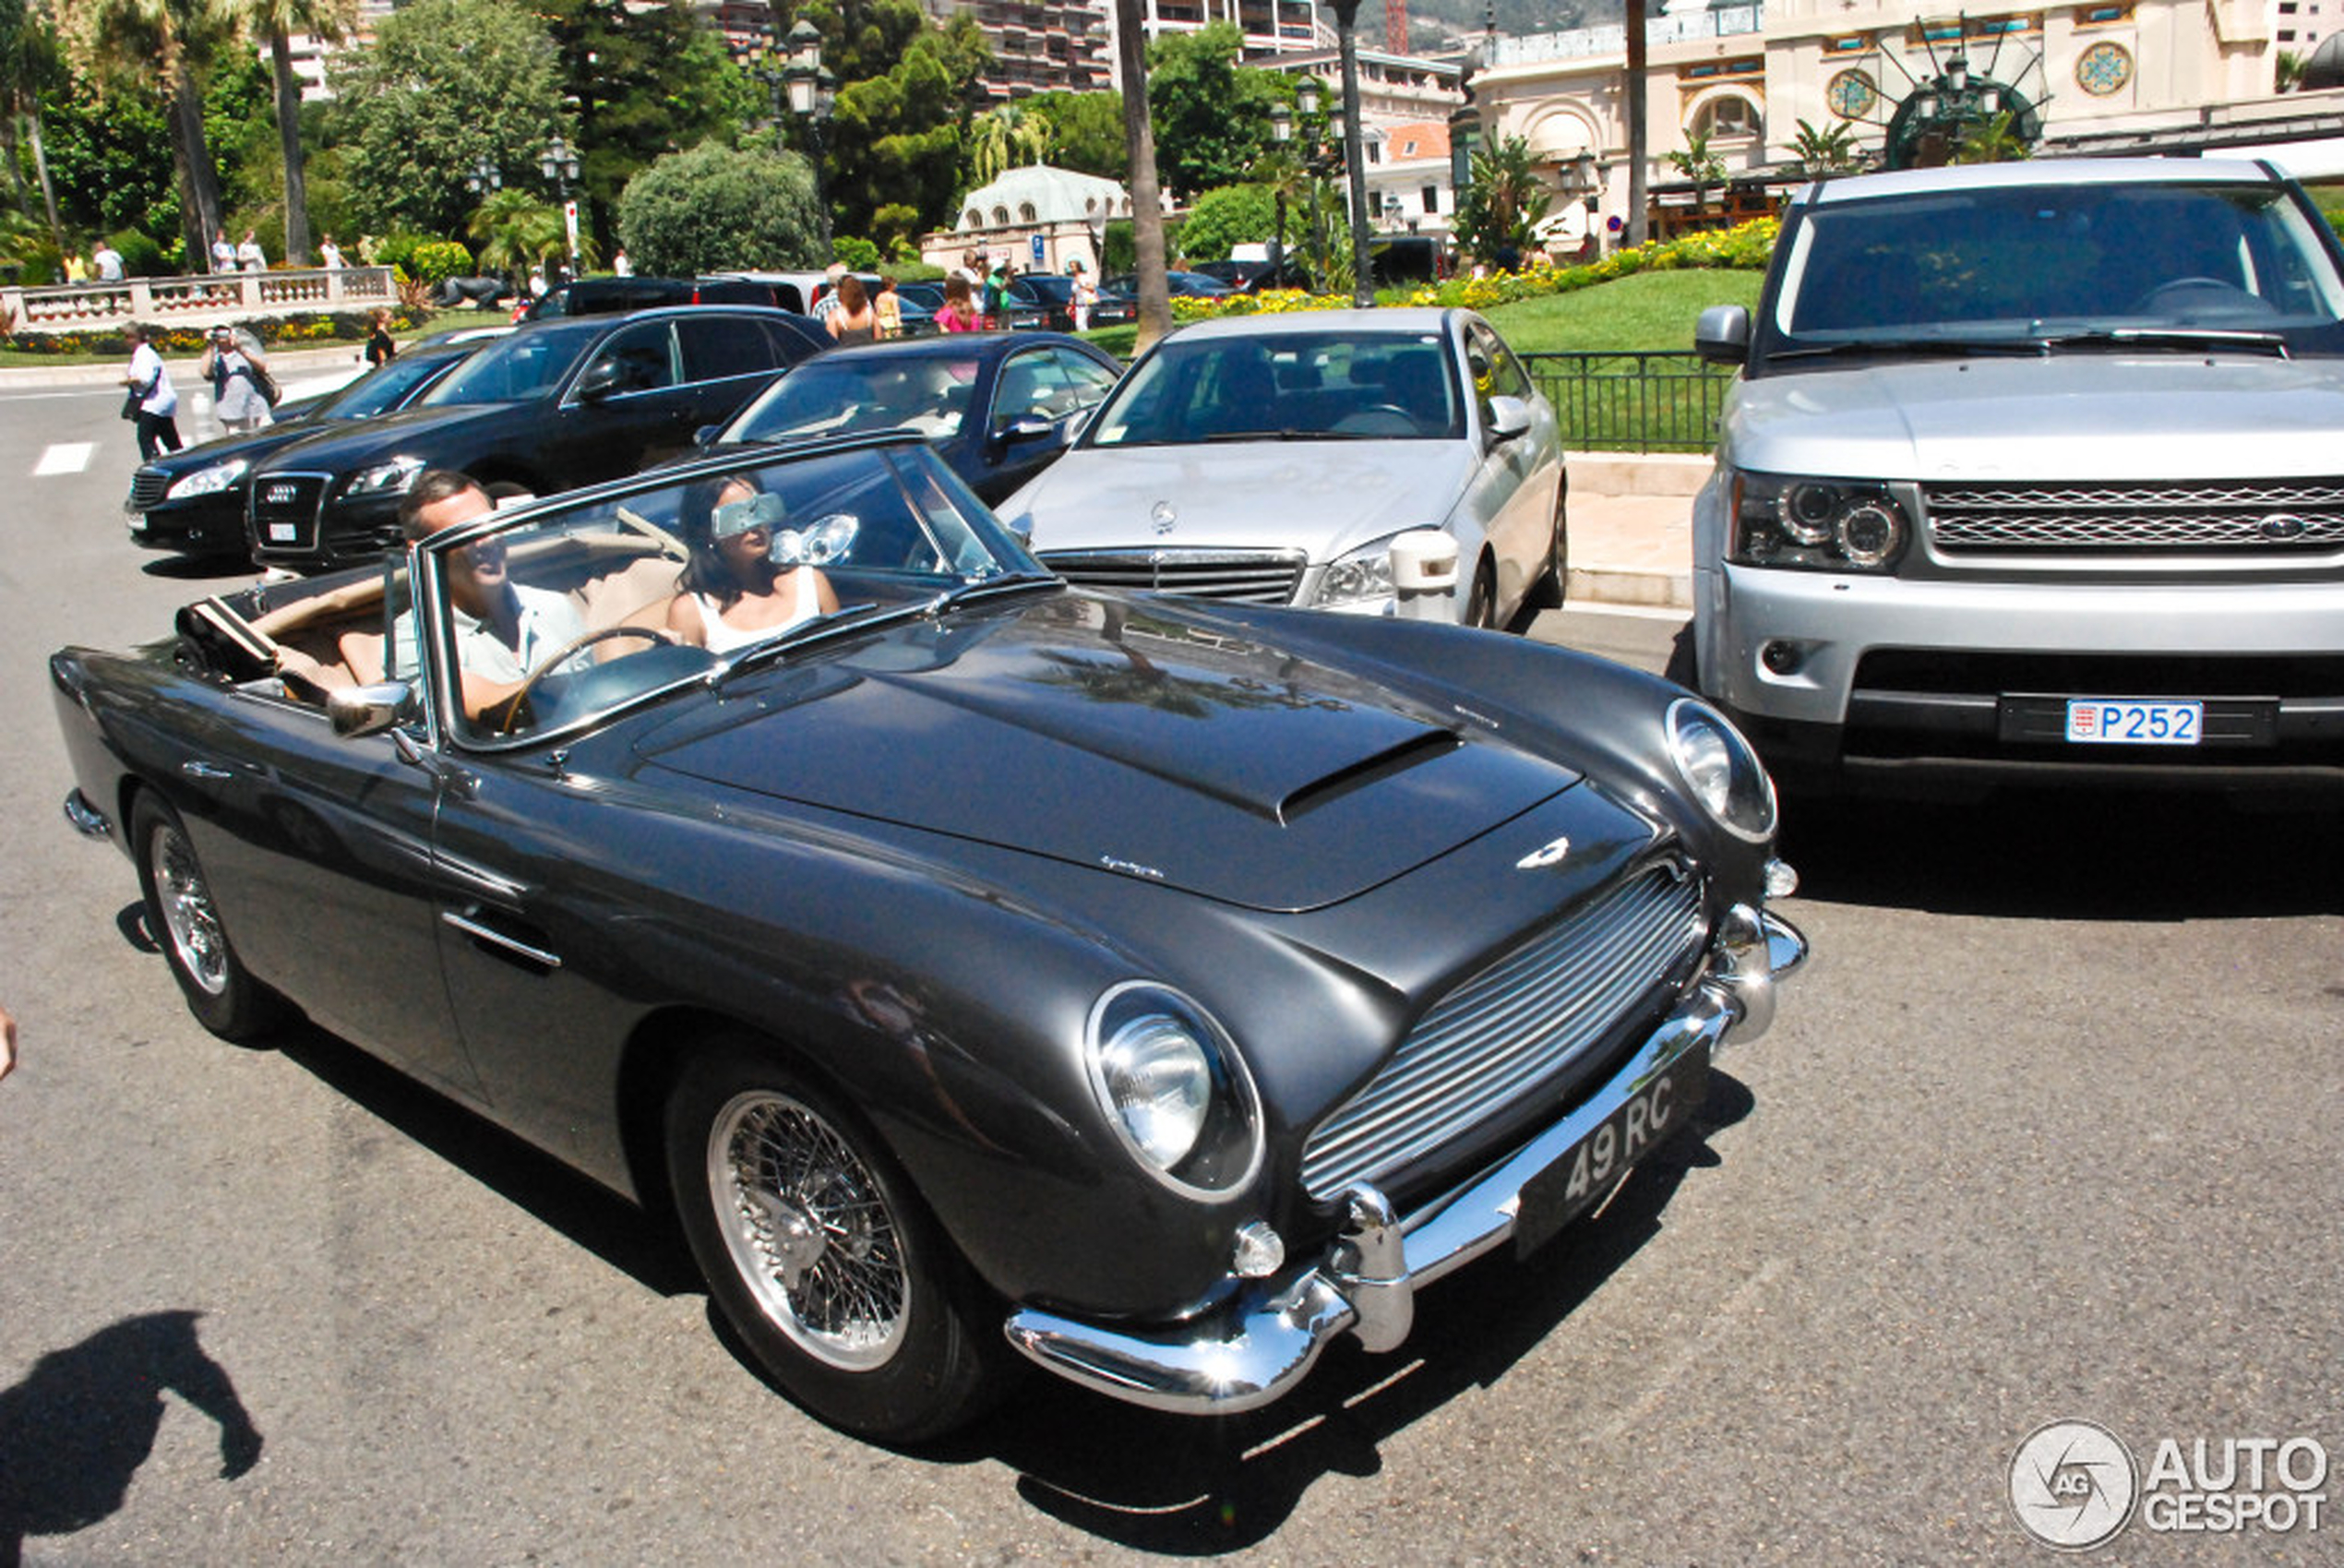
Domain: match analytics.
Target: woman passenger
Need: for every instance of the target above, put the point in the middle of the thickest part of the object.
(731, 593)
(853, 321)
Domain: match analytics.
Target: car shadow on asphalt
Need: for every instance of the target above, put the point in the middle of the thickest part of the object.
(2071, 855)
(199, 569)
(1198, 1486)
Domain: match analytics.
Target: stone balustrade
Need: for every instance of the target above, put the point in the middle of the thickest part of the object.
(207, 300)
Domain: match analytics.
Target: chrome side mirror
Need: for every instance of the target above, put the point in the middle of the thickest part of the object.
(369, 710)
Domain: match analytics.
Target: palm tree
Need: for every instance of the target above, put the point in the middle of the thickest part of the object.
(1147, 195)
(141, 43)
(516, 232)
(28, 63)
(1289, 181)
(278, 21)
(1003, 138)
(1995, 139)
(1822, 153)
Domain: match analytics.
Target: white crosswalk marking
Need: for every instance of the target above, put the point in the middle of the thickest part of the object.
(64, 457)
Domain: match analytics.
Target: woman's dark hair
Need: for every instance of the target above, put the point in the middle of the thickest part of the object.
(707, 572)
(852, 295)
(956, 291)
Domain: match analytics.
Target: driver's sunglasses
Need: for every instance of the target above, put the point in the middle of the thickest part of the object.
(487, 553)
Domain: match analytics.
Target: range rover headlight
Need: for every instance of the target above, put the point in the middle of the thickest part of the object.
(1174, 1089)
(1721, 770)
(208, 481)
(1816, 524)
(392, 478)
(1359, 577)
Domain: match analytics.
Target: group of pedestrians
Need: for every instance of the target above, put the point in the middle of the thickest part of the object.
(977, 295)
(242, 390)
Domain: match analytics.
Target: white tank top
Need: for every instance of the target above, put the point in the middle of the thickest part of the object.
(720, 636)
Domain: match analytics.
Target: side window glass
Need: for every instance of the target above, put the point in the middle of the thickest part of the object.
(642, 356)
(1507, 378)
(718, 345)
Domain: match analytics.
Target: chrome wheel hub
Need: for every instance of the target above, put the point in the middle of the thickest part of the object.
(191, 923)
(809, 1230)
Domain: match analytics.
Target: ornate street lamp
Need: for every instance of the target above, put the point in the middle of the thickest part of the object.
(558, 164)
(1346, 15)
(1282, 134)
(813, 93)
(485, 177)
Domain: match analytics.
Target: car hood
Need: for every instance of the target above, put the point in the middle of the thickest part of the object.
(252, 447)
(1145, 737)
(1322, 497)
(341, 444)
(2068, 416)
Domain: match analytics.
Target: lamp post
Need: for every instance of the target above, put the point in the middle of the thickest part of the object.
(1282, 134)
(1319, 159)
(485, 177)
(558, 164)
(813, 92)
(1346, 15)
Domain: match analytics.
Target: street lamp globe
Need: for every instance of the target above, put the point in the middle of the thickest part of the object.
(1306, 96)
(1281, 124)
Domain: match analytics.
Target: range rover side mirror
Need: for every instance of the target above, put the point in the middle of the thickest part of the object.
(1722, 335)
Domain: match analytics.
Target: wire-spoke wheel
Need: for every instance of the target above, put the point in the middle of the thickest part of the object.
(186, 923)
(819, 1254)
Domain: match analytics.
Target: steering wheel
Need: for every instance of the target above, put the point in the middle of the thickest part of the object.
(1373, 419)
(505, 720)
(2181, 285)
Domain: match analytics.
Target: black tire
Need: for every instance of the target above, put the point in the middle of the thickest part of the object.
(1548, 592)
(1482, 599)
(882, 1333)
(186, 923)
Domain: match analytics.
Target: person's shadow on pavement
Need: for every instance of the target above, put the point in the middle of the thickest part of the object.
(77, 1429)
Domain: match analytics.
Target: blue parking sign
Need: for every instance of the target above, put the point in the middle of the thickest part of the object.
(1037, 250)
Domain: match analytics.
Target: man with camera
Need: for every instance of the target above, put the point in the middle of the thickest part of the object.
(241, 393)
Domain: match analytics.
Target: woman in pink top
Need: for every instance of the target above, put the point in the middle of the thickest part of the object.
(731, 593)
(958, 313)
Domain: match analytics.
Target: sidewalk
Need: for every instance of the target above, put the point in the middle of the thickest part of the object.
(1630, 521)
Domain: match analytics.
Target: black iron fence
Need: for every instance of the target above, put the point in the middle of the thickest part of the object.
(1656, 402)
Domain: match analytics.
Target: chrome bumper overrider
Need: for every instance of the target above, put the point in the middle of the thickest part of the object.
(1253, 1351)
(86, 819)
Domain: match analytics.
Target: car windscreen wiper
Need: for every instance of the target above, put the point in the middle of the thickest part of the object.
(1947, 346)
(1281, 433)
(859, 617)
(985, 587)
(2169, 337)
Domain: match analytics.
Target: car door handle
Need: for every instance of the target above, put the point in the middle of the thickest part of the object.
(206, 770)
(473, 928)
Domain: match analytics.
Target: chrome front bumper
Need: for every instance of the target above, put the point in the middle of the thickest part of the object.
(1254, 1351)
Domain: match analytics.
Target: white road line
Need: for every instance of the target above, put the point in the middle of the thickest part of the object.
(64, 457)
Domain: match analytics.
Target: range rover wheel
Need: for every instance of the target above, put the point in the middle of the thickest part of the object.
(822, 1257)
(186, 921)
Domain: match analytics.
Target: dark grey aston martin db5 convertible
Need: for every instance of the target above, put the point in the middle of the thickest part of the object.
(981, 967)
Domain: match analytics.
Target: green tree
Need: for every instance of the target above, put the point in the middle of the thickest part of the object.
(645, 80)
(716, 208)
(1822, 153)
(1995, 139)
(1210, 115)
(30, 63)
(133, 45)
(447, 84)
(1232, 215)
(1287, 182)
(1505, 203)
(102, 158)
(1086, 131)
(513, 231)
(894, 143)
(1003, 138)
(277, 22)
(2286, 70)
(1699, 164)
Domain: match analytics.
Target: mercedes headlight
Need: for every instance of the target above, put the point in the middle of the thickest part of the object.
(1818, 524)
(1174, 1089)
(1721, 770)
(208, 481)
(1360, 576)
(392, 478)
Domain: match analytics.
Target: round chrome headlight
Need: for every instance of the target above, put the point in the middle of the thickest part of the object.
(1721, 770)
(1174, 1089)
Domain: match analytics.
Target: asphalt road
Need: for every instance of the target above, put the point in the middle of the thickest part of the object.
(2049, 1128)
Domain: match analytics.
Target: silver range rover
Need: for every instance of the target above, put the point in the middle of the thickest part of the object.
(2034, 470)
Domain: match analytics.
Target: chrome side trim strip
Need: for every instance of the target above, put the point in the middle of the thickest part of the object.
(86, 819)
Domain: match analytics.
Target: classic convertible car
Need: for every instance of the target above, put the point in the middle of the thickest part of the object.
(1162, 990)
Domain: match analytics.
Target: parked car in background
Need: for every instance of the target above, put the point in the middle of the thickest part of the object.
(801, 292)
(2034, 470)
(193, 500)
(987, 968)
(1195, 285)
(557, 404)
(1052, 293)
(1249, 277)
(997, 406)
(1274, 459)
(609, 297)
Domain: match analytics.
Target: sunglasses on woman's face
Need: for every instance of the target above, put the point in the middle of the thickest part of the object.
(738, 517)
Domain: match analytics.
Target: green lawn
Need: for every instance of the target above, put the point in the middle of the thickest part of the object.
(1644, 312)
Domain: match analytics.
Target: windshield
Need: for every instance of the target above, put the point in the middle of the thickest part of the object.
(559, 615)
(930, 394)
(2048, 261)
(528, 365)
(1301, 385)
(380, 391)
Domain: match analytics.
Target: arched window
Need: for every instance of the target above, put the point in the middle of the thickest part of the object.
(1025, 212)
(972, 219)
(1727, 118)
(1001, 216)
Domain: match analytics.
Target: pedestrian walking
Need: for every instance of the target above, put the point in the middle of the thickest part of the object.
(996, 292)
(249, 255)
(381, 347)
(621, 263)
(151, 403)
(77, 270)
(237, 371)
(852, 320)
(958, 313)
(828, 301)
(888, 309)
(1086, 294)
(108, 262)
(328, 252)
(223, 253)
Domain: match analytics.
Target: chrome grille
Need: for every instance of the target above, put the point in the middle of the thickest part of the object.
(148, 487)
(2270, 515)
(1512, 1027)
(1255, 577)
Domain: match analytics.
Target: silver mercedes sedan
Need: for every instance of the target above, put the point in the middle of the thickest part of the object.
(1279, 459)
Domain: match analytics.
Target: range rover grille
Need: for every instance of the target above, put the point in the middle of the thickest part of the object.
(1253, 577)
(2284, 515)
(1514, 1026)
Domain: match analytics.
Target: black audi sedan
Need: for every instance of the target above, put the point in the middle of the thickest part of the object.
(557, 405)
(999, 407)
(193, 500)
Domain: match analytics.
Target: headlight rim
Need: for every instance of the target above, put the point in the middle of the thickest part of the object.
(1371, 561)
(374, 479)
(1740, 753)
(187, 489)
(1234, 1094)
